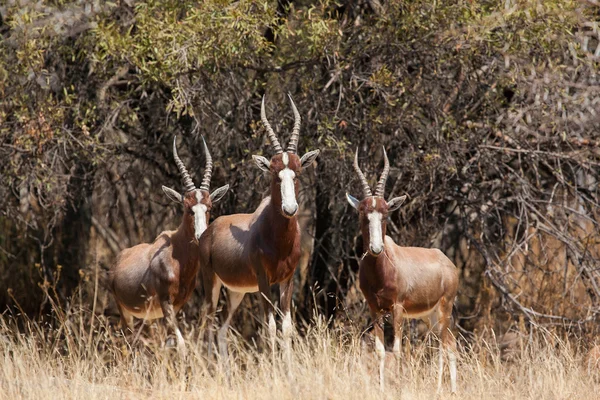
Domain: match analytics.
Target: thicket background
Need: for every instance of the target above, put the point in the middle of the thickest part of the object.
(489, 111)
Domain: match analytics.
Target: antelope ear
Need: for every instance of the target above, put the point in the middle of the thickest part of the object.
(308, 158)
(353, 201)
(262, 163)
(395, 203)
(218, 194)
(173, 195)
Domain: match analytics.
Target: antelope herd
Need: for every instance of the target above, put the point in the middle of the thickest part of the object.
(247, 253)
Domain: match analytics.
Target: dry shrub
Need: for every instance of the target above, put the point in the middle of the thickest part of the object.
(71, 357)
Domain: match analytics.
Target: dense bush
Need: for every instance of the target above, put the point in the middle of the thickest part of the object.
(489, 112)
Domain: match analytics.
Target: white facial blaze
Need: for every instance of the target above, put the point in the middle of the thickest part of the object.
(199, 210)
(288, 191)
(375, 234)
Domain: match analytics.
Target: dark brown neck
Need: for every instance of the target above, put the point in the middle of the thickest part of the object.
(364, 229)
(186, 228)
(186, 249)
(369, 261)
(280, 230)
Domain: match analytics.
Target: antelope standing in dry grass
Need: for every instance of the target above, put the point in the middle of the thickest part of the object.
(411, 282)
(150, 281)
(248, 253)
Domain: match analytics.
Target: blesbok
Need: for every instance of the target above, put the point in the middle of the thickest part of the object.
(150, 281)
(248, 253)
(411, 282)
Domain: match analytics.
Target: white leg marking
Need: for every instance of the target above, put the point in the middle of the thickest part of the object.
(180, 342)
(272, 326)
(397, 343)
(440, 369)
(286, 325)
(286, 328)
(380, 350)
(452, 362)
(272, 333)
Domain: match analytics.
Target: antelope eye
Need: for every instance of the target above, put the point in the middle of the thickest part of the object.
(191, 212)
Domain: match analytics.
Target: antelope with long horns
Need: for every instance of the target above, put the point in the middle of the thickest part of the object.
(248, 253)
(155, 280)
(408, 282)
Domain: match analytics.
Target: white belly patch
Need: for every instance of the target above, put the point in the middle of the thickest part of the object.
(241, 289)
(153, 313)
(423, 314)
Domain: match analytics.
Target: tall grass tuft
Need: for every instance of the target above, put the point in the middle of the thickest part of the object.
(73, 355)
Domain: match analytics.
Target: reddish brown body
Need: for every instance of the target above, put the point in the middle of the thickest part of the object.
(170, 263)
(264, 240)
(410, 282)
(248, 253)
(407, 277)
(155, 280)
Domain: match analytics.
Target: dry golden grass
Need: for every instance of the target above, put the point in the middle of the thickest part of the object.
(67, 361)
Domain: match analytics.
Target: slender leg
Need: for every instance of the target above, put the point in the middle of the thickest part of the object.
(212, 290)
(448, 343)
(169, 314)
(440, 369)
(285, 299)
(272, 333)
(126, 324)
(126, 319)
(398, 331)
(433, 326)
(379, 346)
(453, 371)
(234, 300)
(263, 286)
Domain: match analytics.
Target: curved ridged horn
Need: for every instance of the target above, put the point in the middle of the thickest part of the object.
(293, 144)
(386, 170)
(188, 184)
(270, 133)
(361, 176)
(205, 185)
